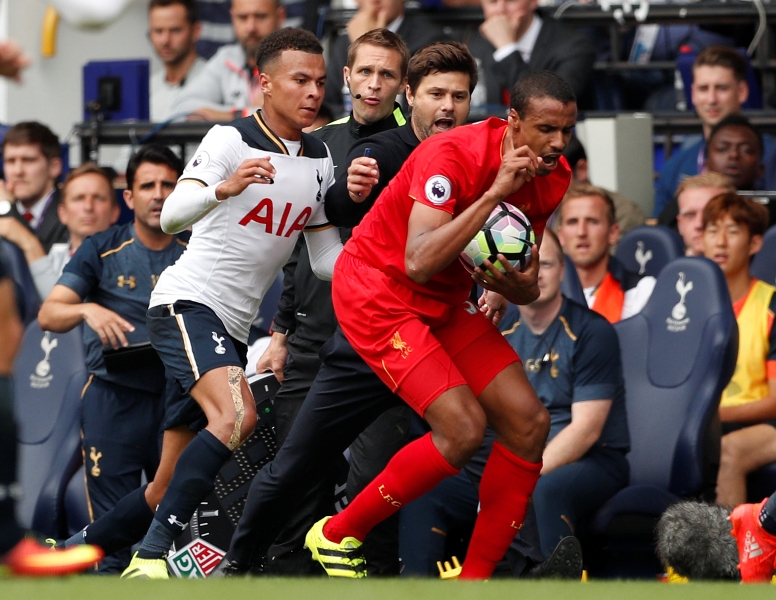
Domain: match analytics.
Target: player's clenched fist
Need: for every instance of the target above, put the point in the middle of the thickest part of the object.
(253, 170)
(518, 166)
(363, 175)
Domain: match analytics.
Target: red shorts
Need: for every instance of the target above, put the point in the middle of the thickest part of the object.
(419, 347)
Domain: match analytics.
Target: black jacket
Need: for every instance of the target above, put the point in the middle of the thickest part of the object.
(390, 149)
(50, 230)
(560, 49)
(415, 30)
(305, 308)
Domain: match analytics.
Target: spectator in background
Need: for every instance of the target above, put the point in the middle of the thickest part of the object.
(733, 229)
(107, 285)
(692, 196)
(32, 163)
(173, 28)
(587, 231)
(735, 149)
(514, 40)
(719, 89)
(88, 206)
(415, 30)
(629, 214)
(228, 87)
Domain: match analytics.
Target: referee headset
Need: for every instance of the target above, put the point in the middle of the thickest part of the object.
(352, 95)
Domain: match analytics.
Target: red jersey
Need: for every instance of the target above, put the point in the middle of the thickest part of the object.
(448, 171)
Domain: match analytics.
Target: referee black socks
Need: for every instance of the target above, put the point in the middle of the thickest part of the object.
(193, 480)
(10, 533)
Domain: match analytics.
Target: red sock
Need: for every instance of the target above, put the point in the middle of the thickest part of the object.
(413, 471)
(505, 490)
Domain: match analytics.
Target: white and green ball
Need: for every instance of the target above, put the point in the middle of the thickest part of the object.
(507, 231)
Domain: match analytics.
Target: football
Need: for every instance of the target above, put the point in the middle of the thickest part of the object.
(507, 231)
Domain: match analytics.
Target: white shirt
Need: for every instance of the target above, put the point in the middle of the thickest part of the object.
(47, 270)
(238, 246)
(524, 45)
(164, 94)
(635, 298)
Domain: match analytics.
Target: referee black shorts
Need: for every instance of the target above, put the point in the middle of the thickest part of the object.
(191, 340)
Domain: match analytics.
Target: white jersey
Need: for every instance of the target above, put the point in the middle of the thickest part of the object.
(237, 249)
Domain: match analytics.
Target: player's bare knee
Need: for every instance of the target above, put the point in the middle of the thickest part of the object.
(541, 424)
(469, 431)
(248, 424)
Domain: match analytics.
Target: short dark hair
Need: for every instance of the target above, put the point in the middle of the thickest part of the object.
(155, 154)
(574, 151)
(441, 57)
(722, 56)
(34, 133)
(383, 38)
(735, 120)
(744, 211)
(288, 38)
(192, 11)
(539, 84)
(88, 168)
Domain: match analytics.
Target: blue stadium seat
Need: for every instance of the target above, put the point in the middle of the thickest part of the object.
(76, 503)
(571, 286)
(678, 355)
(48, 375)
(764, 263)
(26, 294)
(51, 516)
(646, 250)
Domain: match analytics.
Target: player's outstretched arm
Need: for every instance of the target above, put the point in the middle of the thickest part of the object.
(324, 246)
(435, 239)
(191, 199)
(64, 309)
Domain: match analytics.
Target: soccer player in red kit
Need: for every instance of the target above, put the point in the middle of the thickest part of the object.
(400, 294)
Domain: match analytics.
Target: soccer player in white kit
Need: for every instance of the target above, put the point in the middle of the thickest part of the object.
(252, 188)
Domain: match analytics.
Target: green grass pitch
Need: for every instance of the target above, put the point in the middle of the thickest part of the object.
(111, 588)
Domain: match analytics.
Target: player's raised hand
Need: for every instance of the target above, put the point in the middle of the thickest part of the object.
(107, 324)
(253, 170)
(519, 288)
(518, 166)
(363, 175)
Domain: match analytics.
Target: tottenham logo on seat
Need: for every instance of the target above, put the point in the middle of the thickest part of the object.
(42, 376)
(678, 320)
(642, 257)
